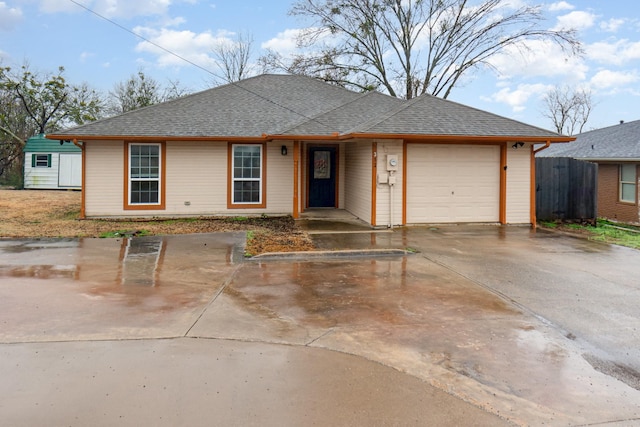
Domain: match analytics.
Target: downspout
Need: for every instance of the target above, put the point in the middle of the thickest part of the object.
(82, 185)
(544, 147)
(532, 203)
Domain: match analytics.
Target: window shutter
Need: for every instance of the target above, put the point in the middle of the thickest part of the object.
(33, 160)
(48, 160)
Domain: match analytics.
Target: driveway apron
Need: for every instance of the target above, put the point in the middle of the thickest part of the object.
(481, 324)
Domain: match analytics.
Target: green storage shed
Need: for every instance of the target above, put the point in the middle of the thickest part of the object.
(49, 165)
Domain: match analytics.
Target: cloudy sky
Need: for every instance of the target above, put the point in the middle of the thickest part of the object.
(103, 52)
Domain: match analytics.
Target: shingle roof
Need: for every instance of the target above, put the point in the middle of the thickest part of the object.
(618, 142)
(429, 115)
(296, 106)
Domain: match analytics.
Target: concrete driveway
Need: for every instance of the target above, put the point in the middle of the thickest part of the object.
(482, 326)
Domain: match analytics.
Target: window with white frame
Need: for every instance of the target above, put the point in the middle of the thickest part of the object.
(247, 174)
(144, 174)
(628, 184)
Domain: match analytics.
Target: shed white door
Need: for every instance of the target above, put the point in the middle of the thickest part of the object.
(70, 170)
(453, 183)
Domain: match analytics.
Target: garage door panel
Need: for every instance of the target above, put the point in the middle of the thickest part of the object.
(453, 183)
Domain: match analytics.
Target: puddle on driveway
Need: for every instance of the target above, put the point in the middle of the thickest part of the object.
(105, 288)
(422, 318)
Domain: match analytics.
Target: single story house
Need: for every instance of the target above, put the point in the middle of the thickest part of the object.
(616, 151)
(51, 165)
(286, 144)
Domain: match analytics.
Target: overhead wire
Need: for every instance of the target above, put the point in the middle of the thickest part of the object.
(122, 27)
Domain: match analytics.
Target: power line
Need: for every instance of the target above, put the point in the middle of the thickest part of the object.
(122, 27)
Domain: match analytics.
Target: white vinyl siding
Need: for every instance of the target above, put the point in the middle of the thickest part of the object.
(358, 180)
(51, 171)
(104, 178)
(196, 180)
(41, 177)
(519, 185)
(453, 183)
(279, 178)
(383, 191)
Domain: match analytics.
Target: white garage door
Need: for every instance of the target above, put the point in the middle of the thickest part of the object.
(453, 183)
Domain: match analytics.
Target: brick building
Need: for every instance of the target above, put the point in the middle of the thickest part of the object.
(616, 150)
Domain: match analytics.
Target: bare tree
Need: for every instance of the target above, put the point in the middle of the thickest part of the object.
(139, 91)
(38, 102)
(233, 57)
(410, 47)
(568, 109)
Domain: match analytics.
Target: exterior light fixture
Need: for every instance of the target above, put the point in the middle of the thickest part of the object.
(283, 150)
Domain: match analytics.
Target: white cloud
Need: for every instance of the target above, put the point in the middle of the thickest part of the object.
(613, 80)
(560, 6)
(577, 20)
(86, 55)
(538, 59)
(612, 25)
(194, 47)
(615, 53)
(10, 17)
(517, 98)
(284, 42)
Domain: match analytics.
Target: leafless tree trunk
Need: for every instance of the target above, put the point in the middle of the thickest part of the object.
(233, 58)
(568, 109)
(409, 47)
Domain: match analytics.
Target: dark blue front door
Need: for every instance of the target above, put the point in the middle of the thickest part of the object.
(322, 177)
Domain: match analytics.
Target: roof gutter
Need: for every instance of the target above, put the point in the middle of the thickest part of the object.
(331, 137)
(546, 145)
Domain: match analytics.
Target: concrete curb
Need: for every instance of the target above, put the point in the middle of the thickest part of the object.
(345, 253)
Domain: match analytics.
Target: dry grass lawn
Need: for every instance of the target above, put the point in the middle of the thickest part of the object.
(55, 213)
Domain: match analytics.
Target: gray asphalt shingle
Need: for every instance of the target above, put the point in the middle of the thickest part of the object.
(297, 105)
(618, 142)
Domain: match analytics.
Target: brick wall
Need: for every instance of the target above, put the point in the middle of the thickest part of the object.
(608, 194)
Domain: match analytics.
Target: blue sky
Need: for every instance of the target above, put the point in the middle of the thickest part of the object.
(50, 33)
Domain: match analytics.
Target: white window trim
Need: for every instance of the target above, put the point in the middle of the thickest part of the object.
(634, 183)
(234, 179)
(158, 179)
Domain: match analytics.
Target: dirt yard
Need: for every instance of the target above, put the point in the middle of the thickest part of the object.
(53, 213)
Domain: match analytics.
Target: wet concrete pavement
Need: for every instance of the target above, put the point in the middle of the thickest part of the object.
(481, 326)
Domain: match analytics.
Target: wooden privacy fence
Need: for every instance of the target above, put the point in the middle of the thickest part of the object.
(566, 189)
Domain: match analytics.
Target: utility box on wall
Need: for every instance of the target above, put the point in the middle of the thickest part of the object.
(392, 162)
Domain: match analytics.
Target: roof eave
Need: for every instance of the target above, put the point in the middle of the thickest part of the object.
(323, 137)
(463, 138)
(608, 159)
(151, 138)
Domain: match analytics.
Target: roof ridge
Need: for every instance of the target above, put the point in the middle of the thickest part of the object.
(324, 113)
(377, 120)
(364, 126)
(623, 123)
